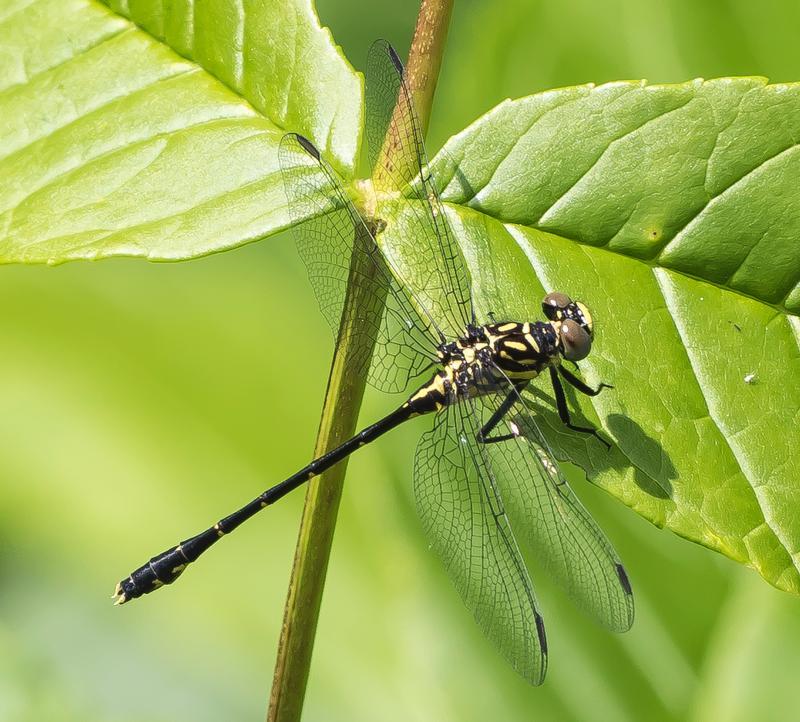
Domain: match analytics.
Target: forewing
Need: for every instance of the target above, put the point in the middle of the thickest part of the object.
(329, 230)
(551, 521)
(424, 244)
(463, 516)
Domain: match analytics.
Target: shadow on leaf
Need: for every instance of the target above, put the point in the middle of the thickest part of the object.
(653, 470)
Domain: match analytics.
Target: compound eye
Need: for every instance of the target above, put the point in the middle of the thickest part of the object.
(575, 340)
(555, 302)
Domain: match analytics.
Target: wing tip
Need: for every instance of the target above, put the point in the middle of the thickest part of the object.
(625, 583)
(395, 58)
(541, 669)
(383, 47)
(306, 145)
(622, 575)
(540, 632)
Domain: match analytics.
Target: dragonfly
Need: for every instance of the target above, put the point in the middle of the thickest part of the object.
(484, 474)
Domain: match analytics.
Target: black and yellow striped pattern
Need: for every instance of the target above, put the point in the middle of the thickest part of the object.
(469, 368)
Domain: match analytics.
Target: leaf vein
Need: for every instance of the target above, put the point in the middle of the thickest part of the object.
(742, 463)
(88, 112)
(713, 200)
(66, 61)
(18, 11)
(611, 144)
(122, 149)
(537, 119)
(162, 219)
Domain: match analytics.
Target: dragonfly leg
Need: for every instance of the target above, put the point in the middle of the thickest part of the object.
(573, 380)
(563, 409)
(483, 435)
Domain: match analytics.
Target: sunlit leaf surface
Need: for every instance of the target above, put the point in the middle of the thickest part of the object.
(672, 211)
(139, 401)
(114, 142)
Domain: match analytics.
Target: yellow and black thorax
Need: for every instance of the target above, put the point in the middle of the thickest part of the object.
(483, 357)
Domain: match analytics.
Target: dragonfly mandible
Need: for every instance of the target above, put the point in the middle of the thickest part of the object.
(484, 473)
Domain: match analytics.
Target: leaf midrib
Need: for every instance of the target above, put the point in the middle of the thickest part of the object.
(651, 263)
(657, 254)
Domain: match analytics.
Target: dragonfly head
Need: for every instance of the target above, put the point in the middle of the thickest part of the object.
(573, 324)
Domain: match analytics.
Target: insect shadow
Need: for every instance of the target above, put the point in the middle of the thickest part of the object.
(450, 177)
(653, 470)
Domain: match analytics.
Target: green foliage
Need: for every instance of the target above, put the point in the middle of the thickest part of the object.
(139, 401)
(114, 145)
(672, 210)
(691, 180)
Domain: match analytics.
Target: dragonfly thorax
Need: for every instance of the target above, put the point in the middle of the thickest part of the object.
(484, 357)
(465, 349)
(524, 350)
(520, 350)
(479, 362)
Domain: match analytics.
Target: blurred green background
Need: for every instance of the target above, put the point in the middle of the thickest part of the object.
(139, 402)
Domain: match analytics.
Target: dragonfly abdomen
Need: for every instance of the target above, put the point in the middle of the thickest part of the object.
(434, 395)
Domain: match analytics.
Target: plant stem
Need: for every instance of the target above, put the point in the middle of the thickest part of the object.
(425, 55)
(339, 417)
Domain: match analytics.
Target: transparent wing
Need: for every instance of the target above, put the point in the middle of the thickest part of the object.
(463, 516)
(405, 344)
(551, 521)
(425, 235)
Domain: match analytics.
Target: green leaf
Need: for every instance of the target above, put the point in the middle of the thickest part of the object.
(673, 212)
(115, 141)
